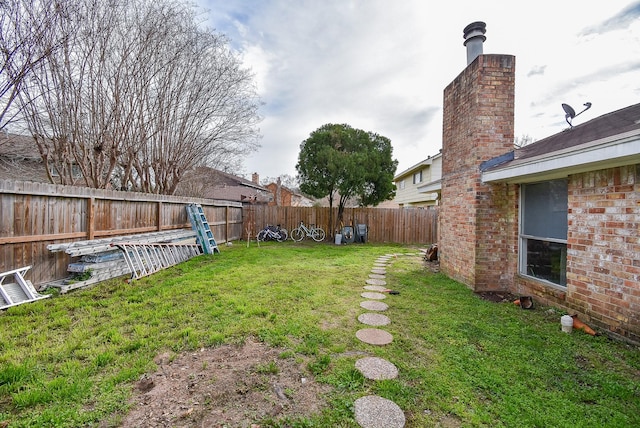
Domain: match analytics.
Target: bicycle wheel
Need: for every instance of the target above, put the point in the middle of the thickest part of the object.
(283, 235)
(318, 234)
(262, 235)
(297, 234)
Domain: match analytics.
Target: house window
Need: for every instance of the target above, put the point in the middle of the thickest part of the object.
(76, 172)
(543, 231)
(417, 177)
(401, 185)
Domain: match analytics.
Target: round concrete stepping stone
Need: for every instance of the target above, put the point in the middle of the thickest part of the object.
(372, 411)
(374, 287)
(375, 320)
(376, 276)
(380, 265)
(374, 305)
(376, 281)
(373, 295)
(374, 336)
(376, 368)
(379, 271)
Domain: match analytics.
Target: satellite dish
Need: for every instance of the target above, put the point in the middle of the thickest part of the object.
(570, 113)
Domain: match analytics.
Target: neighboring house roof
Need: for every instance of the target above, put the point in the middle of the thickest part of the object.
(607, 141)
(417, 167)
(211, 183)
(222, 178)
(18, 147)
(388, 204)
(350, 203)
(20, 159)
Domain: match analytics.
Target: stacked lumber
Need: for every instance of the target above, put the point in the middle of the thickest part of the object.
(99, 260)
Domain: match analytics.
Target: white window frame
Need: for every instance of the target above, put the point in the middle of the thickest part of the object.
(417, 177)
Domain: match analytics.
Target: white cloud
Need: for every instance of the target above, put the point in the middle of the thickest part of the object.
(382, 65)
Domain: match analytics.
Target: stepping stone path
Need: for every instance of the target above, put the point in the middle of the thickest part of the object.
(376, 368)
(372, 411)
(377, 412)
(374, 336)
(373, 295)
(374, 319)
(374, 306)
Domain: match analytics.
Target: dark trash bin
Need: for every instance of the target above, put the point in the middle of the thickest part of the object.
(361, 233)
(348, 235)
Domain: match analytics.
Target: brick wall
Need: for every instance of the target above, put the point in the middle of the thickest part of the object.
(282, 196)
(603, 252)
(476, 222)
(603, 255)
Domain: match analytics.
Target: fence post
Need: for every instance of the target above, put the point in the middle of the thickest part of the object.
(226, 223)
(159, 216)
(91, 227)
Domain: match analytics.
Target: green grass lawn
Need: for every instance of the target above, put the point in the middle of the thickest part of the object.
(72, 360)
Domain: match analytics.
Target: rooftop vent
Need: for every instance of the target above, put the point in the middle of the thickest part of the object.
(473, 39)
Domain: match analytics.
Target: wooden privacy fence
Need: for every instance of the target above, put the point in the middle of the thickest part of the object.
(34, 215)
(401, 226)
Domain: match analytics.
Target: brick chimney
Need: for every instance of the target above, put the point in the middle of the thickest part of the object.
(255, 178)
(478, 124)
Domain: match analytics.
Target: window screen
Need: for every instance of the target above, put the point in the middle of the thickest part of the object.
(545, 209)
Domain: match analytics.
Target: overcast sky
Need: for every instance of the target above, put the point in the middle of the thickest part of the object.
(382, 65)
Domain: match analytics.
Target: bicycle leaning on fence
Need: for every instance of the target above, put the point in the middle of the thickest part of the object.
(272, 232)
(313, 232)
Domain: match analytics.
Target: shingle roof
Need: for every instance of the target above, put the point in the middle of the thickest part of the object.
(219, 178)
(18, 146)
(608, 141)
(607, 125)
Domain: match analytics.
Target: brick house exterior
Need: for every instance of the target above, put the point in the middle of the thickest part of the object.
(600, 163)
(285, 197)
(558, 219)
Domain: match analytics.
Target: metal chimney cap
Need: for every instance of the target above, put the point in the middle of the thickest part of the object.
(475, 30)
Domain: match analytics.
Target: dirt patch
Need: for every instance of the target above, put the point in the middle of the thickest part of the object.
(229, 386)
(433, 266)
(497, 296)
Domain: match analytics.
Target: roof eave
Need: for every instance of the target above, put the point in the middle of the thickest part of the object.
(613, 152)
(417, 167)
(432, 186)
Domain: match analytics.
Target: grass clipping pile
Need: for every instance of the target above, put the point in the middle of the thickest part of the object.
(229, 386)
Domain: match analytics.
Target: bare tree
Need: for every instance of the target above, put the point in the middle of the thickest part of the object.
(138, 95)
(286, 180)
(523, 140)
(26, 39)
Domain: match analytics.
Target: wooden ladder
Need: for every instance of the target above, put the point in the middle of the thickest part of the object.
(17, 292)
(145, 259)
(200, 225)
